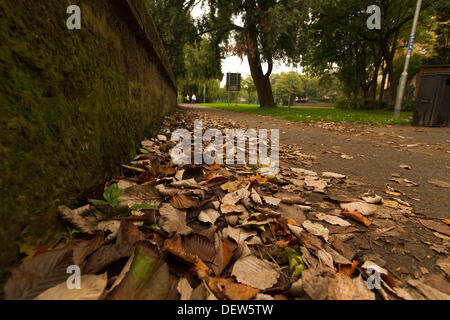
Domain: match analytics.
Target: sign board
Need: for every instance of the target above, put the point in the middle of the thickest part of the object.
(233, 82)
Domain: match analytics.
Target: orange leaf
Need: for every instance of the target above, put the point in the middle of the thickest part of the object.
(214, 178)
(389, 280)
(213, 167)
(357, 216)
(393, 193)
(175, 247)
(348, 269)
(202, 270)
(258, 179)
(37, 252)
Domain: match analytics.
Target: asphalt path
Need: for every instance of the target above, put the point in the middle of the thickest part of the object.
(372, 154)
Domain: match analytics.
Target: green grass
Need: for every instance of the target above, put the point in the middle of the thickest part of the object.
(308, 114)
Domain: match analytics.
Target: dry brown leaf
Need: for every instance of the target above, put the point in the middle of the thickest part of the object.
(234, 197)
(181, 201)
(439, 183)
(200, 246)
(293, 212)
(428, 291)
(256, 197)
(341, 287)
(272, 201)
(209, 215)
(315, 286)
(289, 198)
(189, 183)
(334, 220)
(319, 185)
(333, 175)
(316, 229)
(38, 274)
(232, 209)
(366, 209)
(304, 172)
(173, 220)
(230, 186)
(229, 289)
(255, 272)
(372, 199)
(184, 289)
(436, 226)
(91, 288)
(444, 264)
(105, 256)
(141, 195)
(129, 233)
(76, 219)
(215, 178)
(222, 258)
(238, 234)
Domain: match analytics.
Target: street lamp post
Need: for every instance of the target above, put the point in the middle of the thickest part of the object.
(404, 77)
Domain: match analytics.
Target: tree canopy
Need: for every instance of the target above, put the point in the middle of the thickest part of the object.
(269, 30)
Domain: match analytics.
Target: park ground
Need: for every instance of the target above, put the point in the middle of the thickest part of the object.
(319, 112)
(372, 151)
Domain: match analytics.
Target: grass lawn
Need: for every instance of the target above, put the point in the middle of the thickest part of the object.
(307, 114)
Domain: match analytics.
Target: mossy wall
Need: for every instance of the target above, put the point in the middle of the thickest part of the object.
(73, 106)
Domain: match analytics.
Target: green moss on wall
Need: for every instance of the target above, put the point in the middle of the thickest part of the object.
(73, 106)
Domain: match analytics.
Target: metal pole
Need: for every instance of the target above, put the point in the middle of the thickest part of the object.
(204, 93)
(404, 77)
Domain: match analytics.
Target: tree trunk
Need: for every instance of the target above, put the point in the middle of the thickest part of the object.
(383, 84)
(390, 69)
(262, 82)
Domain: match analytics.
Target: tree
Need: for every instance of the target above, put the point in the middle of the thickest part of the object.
(248, 86)
(202, 66)
(341, 43)
(441, 13)
(288, 86)
(271, 30)
(176, 28)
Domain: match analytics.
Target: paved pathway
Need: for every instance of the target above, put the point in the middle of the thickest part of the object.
(377, 153)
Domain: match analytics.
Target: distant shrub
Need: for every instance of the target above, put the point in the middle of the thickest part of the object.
(358, 104)
(408, 105)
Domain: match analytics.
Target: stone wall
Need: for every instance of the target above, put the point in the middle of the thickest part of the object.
(74, 105)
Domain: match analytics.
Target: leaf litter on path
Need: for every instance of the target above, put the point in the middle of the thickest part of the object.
(224, 232)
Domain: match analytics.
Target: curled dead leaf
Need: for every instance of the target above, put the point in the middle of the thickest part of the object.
(357, 216)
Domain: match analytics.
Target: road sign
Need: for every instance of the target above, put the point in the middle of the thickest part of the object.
(233, 82)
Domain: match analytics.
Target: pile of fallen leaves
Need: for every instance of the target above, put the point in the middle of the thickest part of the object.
(202, 232)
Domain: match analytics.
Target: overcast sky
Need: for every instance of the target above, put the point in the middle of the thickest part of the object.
(235, 64)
